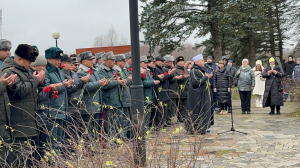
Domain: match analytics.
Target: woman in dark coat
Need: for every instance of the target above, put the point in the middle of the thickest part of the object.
(222, 85)
(273, 86)
(199, 103)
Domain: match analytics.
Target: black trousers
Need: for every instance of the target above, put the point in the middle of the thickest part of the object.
(223, 106)
(273, 108)
(245, 97)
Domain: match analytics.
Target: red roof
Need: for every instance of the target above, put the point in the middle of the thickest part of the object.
(115, 49)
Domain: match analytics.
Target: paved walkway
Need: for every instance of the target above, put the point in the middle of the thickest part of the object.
(271, 140)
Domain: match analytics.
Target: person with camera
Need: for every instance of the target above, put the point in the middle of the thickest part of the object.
(246, 78)
(273, 96)
(259, 88)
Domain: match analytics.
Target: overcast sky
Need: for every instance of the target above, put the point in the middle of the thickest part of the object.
(77, 21)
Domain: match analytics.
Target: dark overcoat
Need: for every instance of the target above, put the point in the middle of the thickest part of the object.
(222, 81)
(273, 81)
(199, 103)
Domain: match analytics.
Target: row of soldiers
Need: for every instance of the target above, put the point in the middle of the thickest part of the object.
(54, 92)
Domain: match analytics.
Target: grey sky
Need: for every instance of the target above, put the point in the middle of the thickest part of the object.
(77, 21)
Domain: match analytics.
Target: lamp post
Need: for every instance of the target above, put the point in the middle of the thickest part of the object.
(137, 97)
(55, 35)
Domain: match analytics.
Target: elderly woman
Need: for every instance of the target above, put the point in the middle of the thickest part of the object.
(259, 88)
(188, 65)
(246, 83)
(273, 95)
(222, 85)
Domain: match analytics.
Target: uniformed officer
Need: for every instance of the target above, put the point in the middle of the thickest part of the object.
(123, 73)
(75, 62)
(5, 46)
(99, 60)
(172, 103)
(92, 92)
(148, 83)
(23, 103)
(183, 87)
(110, 95)
(162, 90)
(59, 97)
(128, 60)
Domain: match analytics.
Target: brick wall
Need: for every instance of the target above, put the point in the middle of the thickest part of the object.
(114, 49)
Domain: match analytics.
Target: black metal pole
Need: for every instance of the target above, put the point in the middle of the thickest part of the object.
(137, 97)
(56, 42)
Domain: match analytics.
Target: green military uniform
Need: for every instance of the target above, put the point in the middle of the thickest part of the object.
(23, 108)
(110, 98)
(124, 120)
(91, 110)
(58, 107)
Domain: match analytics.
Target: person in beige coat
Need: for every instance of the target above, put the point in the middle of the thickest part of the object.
(259, 88)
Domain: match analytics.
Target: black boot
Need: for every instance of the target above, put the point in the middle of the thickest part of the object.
(272, 110)
(243, 112)
(278, 110)
(248, 112)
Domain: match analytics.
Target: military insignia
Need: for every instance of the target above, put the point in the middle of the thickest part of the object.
(103, 68)
(12, 67)
(61, 54)
(79, 70)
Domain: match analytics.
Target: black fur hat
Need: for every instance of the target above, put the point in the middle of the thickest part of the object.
(27, 52)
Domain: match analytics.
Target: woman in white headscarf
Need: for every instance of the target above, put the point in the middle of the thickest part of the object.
(259, 88)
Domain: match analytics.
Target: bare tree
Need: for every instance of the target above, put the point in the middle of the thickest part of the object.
(123, 40)
(112, 36)
(99, 41)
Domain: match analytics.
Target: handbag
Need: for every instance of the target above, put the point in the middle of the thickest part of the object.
(279, 84)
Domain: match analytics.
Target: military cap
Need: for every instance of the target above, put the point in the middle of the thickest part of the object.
(128, 55)
(120, 57)
(169, 58)
(87, 55)
(99, 55)
(27, 52)
(54, 52)
(180, 58)
(107, 56)
(5, 44)
(144, 59)
(159, 58)
(66, 58)
(73, 55)
(150, 59)
(34, 46)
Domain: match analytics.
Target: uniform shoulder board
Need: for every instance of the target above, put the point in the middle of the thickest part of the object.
(12, 67)
(79, 70)
(103, 68)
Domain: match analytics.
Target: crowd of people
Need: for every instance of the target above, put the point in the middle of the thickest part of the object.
(89, 91)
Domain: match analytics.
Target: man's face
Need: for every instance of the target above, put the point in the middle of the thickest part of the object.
(88, 63)
(74, 67)
(5, 53)
(200, 62)
(151, 64)
(23, 62)
(229, 63)
(54, 62)
(290, 59)
(180, 63)
(68, 66)
(208, 60)
(225, 60)
(169, 63)
(94, 61)
(99, 61)
(298, 61)
(121, 64)
(110, 63)
(128, 61)
(144, 65)
(159, 63)
(39, 67)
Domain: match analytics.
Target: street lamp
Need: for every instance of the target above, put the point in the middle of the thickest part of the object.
(56, 35)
